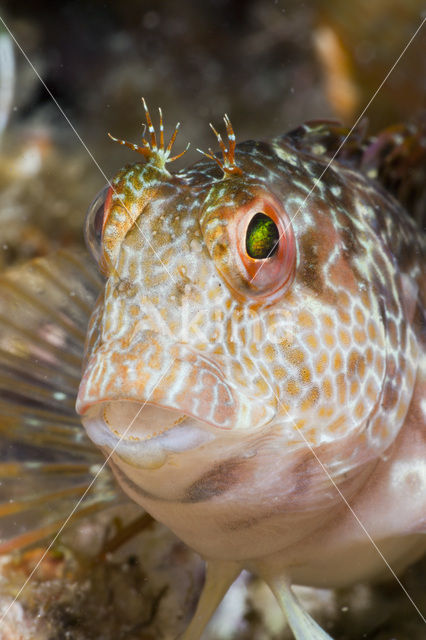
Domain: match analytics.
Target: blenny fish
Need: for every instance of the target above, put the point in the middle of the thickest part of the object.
(254, 366)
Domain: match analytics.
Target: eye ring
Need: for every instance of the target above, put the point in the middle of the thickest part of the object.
(266, 277)
(270, 272)
(95, 222)
(262, 237)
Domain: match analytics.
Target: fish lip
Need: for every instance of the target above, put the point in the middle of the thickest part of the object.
(96, 408)
(89, 407)
(184, 433)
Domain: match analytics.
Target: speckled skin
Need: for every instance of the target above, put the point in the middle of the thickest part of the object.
(307, 375)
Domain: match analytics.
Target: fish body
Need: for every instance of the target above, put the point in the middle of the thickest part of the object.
(254, 366)
(245, 401)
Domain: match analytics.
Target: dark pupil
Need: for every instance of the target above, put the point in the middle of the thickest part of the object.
(99, 220)
(262, 237)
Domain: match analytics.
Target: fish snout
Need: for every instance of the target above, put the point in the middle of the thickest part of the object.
(154, 373)
(154, 391)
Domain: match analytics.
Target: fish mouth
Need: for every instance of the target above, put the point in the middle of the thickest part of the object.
(195, 385)
(143, 434)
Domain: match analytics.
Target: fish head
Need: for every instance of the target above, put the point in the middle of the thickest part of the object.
(161, 343)
(236, 322)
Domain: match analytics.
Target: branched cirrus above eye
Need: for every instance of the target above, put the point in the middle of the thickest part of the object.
(262, 237)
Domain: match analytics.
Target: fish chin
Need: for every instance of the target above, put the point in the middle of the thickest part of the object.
(141, 434)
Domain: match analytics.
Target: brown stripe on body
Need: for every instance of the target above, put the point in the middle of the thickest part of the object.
(216, 481)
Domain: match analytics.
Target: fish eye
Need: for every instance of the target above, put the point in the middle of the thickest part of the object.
(252, 243)
(262, 237)
(95, 222)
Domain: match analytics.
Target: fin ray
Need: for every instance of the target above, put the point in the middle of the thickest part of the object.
(46, 460)
(301, 623)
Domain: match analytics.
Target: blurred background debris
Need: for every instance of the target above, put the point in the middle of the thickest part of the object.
(269, 64)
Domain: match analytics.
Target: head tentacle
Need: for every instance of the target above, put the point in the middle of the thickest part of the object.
(154, 153)
(228, 165)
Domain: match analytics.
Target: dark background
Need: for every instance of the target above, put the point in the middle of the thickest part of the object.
(258, 60)
(269, 64)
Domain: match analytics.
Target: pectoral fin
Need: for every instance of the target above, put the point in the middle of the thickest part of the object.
(219, 577)
(46, 460)
(303, 626)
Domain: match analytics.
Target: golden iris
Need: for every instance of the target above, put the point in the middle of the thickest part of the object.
(262, 237)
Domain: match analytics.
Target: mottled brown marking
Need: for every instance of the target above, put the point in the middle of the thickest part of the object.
(310, 267)
(220, 250)
(390, 396)
(356, 364)
(125, 288)
(393, 333)
(351, 245)
(216, 481)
